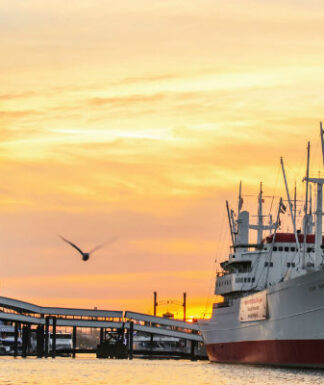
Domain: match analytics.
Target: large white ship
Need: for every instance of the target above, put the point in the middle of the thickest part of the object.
(273, 291)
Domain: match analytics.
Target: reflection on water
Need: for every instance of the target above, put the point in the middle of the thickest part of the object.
(91, 371)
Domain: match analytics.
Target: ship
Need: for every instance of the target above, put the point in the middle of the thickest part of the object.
(272, 290)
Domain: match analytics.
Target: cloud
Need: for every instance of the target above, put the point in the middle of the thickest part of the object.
(127, 100)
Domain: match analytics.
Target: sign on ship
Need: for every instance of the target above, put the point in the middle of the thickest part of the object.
(254, 307)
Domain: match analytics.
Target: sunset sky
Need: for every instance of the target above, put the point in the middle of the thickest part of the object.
(137, 119)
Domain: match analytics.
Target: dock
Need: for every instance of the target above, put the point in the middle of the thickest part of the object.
(123, 334)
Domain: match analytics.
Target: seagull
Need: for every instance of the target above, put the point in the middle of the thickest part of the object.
(85, 256)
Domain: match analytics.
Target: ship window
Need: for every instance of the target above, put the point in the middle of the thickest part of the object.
(244, 279)
(275, 248)
(253, 279)
(271, 264)
(249, 279)
(286, 248)
(288, 264)
(293, 264)
(265, 264)
(292, 249)
(280, 248)
(309, 249)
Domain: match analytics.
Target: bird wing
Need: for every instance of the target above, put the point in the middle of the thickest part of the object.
(96, 248)
(103, 244)
(72, 244)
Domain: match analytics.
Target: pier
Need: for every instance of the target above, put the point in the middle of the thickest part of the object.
(122, 334)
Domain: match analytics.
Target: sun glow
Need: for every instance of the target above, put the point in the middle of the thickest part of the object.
(138, 120)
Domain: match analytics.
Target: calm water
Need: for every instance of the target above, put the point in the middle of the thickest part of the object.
(90, 371)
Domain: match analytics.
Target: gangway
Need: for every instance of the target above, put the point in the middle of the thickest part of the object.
(164, 326)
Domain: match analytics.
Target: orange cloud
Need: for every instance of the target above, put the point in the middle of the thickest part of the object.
(139, 121)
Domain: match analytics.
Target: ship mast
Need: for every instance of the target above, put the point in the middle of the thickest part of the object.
(289, 203)
(260, 226)
(319, 215)
(307, 216)
(280, 208)
(319, 206)
(260, 216)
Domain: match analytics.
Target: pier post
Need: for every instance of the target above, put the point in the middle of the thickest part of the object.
(192, 354)
(151, 343)
(24, 341)
(74, 335)
(40, 341)
(101, 336)
(54, 338)
(46, 339)
(16, 339)
(131, 334)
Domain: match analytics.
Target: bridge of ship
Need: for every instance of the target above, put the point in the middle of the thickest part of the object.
(17, 311)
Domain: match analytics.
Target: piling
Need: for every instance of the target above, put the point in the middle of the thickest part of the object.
(74, 335)
(40, 341)
(54, 337)
(101, 336)
(131, 335)
(192, 353)
(46, 336)
(16, 339)
(25, 340)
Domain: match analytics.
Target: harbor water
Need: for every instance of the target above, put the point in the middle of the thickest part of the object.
(91, 371)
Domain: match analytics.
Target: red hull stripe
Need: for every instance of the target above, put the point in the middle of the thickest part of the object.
(276, 352)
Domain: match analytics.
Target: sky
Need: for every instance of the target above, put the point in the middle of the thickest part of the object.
(137, 120)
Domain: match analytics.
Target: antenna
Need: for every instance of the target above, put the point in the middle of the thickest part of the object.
(310, 200)
(322, 140)
(230, 222)
(260, 216)
(295, 202)
(240, 199)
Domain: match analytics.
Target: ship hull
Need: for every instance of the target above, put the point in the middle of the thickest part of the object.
(291, 335)
(297, 353)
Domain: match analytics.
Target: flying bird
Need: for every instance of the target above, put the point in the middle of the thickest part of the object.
(85, 256)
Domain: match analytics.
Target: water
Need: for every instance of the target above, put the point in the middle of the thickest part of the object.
(91, 371)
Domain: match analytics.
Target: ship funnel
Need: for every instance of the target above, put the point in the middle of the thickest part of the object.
(243, 228)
